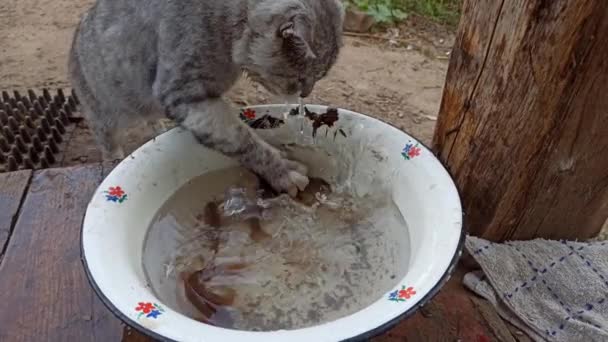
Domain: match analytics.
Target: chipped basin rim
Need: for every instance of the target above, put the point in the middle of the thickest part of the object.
(341, 324)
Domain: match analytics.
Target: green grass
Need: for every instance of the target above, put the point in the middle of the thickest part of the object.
(392, 11)
(443, 11)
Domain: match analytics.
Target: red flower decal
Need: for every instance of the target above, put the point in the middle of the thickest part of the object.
(249, 114)
(115, 194)
(410, 151)
(407, 293)
(144, 307)
(401, 295)
(414, 152)
(116, 191)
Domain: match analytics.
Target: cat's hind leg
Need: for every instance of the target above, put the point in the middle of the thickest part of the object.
(104, 126)
(103, 121)
(107, 133)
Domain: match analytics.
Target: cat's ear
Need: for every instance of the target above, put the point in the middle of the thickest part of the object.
(295, 36)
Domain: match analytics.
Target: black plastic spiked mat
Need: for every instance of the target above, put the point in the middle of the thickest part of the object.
(33, 128)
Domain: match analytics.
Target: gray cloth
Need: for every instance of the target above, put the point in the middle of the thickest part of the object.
(553, 290)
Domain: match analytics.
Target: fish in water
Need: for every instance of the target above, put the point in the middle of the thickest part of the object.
(212, 302)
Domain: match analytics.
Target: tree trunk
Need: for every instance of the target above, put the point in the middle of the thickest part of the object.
(523, 124)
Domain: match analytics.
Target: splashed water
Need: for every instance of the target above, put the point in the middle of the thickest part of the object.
(319, 258)
(297, 119)
(301, 116)
(301, 106)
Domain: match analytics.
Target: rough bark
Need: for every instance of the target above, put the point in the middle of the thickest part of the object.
(523, 124)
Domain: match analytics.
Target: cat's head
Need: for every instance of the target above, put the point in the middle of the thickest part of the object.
(289, 45)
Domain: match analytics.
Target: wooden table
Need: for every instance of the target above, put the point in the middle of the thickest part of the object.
(45, 296)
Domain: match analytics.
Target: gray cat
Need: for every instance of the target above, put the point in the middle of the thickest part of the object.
(140, 59)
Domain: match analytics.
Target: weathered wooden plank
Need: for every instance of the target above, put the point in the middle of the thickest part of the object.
(12, 190)
(44, 295)
(523, 126)
(106, 327)
(132, 335)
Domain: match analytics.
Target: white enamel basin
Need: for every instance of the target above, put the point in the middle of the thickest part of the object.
(126, 202)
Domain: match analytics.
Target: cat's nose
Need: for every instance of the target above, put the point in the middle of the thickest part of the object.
(306, 89)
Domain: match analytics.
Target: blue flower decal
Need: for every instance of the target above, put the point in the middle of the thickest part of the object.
(410, 151)
(149, 310)
(153, 314)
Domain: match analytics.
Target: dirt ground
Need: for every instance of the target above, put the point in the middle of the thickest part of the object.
(398, 78)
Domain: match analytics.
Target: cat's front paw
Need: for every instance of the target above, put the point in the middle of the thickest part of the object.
(286, 176)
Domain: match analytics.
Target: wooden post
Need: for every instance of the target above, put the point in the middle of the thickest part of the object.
(523, 124)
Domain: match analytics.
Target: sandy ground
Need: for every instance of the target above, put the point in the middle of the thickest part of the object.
(395, 81)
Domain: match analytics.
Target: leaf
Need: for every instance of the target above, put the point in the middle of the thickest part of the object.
(399, 14)
(362, 4)
(381, 13)
(384, 11)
